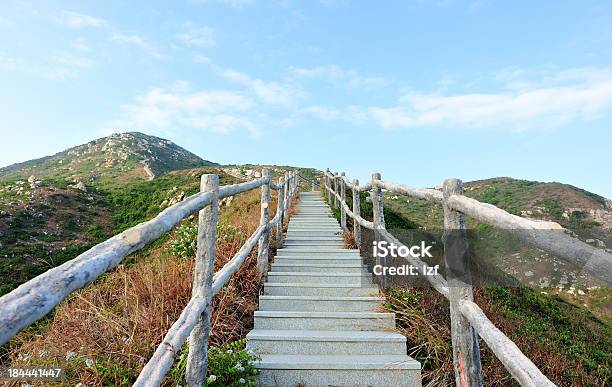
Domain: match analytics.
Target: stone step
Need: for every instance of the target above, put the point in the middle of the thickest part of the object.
(310, 244)
(307, 342)
(336, 278)
(318, 289)
(357, 267)
(290, 252)
(339, 370)
(317, 260)
(320, 303)
(325, 321)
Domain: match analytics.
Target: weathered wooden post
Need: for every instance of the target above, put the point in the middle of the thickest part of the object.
(466, 352)
(378, 220)
(279, 209)
(335, 190)
(264, 241)
(286, 191)
(328, 186)
(343, 196)
(357, 212)
(197, 359)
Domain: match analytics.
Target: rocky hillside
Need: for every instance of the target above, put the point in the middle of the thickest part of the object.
(112, 160)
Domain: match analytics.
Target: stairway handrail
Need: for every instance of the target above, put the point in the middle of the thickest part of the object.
(37, 297)
(597, 261)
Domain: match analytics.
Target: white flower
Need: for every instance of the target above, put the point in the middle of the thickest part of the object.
(229, 351)
(24, 356)
(79, 385)
(212, 378)
(241, 368)
(242, 381)
(89, 362)
(70, 355)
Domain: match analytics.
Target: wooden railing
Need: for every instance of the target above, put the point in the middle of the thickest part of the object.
(37, 297)
(467, 319)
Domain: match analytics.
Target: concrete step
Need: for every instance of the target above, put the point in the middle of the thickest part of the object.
(320, 303)
(310, 244)
(306, 342)
(317, 260)
(325, 321)
(335, 370)
(318, 252)
(319, 289)
(336, 278)
(315, 239)
(356, 267)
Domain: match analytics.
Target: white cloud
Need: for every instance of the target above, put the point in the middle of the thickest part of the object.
(217, 111)
(557, 99)
(527, 100)
(349, 78)
(137, 41)
(79, 20)
(271, 93)
(199, 36)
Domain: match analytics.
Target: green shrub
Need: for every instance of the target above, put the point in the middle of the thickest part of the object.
(228, 365)
(184, 244)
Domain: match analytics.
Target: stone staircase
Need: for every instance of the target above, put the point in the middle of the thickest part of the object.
(317, 323)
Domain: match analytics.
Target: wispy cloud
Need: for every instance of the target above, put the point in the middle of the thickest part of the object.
(138, 41)
(553, 100)
(80, 20)
(199, 36)
(212, 110)
(526, 100)
(271, 93)
(348, 78)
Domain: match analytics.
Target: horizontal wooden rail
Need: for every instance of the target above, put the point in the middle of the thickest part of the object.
(431, 195)
(543, 235)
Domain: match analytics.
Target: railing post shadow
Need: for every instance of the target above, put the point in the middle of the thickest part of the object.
(280, 208)
(357, 212)
(197, 359)
(378, 220)
(466, 352)
(343, 196)
(264, 241)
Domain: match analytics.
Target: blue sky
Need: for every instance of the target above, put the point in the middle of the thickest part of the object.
(418, 90)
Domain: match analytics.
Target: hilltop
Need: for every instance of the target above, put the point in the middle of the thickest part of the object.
(112, 160)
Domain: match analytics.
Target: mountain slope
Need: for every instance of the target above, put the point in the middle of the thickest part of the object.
(109, 161)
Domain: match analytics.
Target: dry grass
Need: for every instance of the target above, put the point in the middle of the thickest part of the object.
(120, 319)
